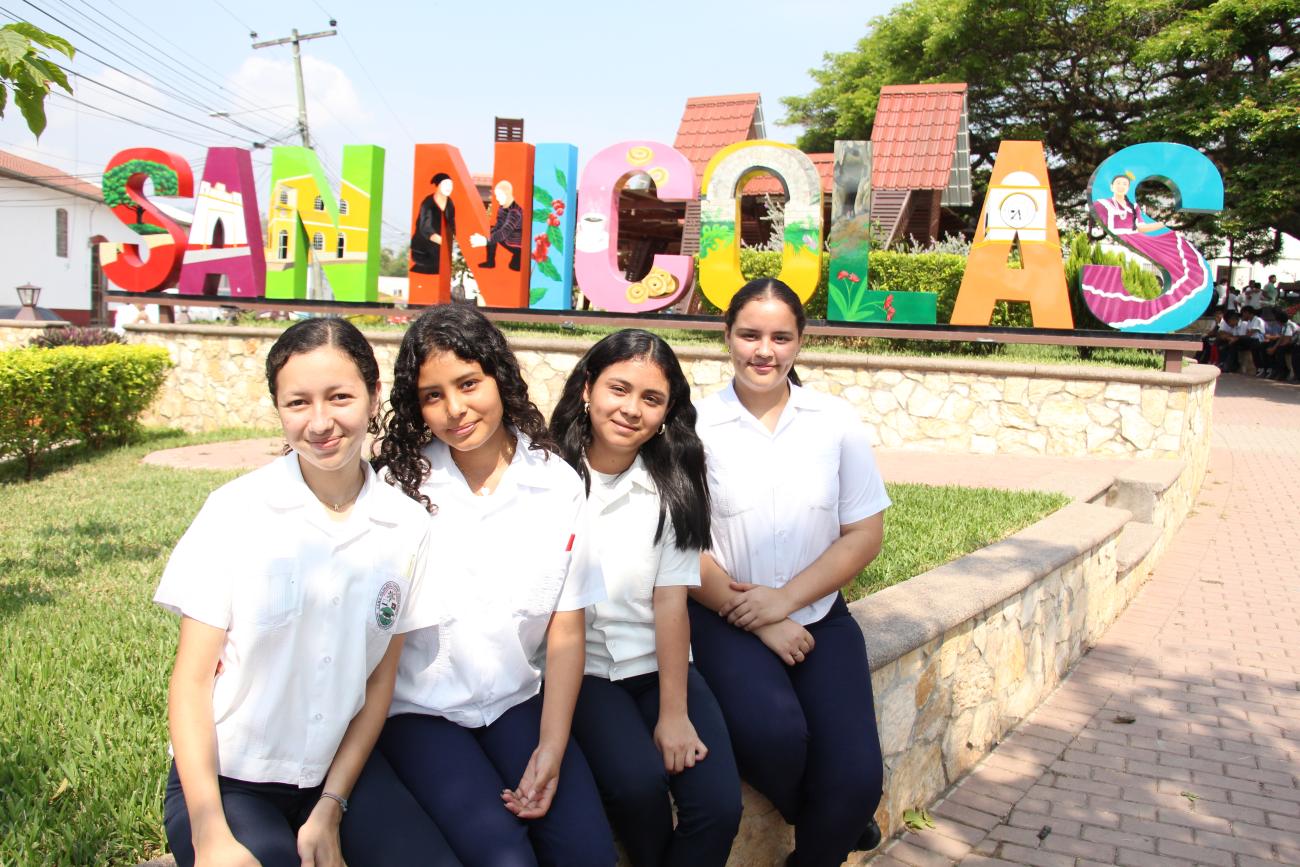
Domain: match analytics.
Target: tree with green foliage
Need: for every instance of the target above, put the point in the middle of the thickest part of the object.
(165, 183)
(25, 71)
(395, 263)
(1088, 77)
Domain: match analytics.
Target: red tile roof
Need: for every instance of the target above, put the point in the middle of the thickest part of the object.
(915, 135)
(710, 123)
(769, 185)
(14, 166)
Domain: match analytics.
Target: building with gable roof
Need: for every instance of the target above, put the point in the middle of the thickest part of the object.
(50, 226)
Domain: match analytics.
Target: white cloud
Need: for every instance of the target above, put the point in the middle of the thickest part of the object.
(333, 103)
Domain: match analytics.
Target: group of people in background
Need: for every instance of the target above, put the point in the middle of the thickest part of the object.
(503, 641)
(1254, 322)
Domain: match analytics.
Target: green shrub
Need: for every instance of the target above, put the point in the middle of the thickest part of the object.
(1138, 281)
(73, 335)
(93, 394)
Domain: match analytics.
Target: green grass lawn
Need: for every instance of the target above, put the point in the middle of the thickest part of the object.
(85, 655)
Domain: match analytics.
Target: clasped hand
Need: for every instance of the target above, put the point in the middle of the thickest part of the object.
(755, 605)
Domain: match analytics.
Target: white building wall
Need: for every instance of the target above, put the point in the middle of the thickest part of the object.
(27, 243)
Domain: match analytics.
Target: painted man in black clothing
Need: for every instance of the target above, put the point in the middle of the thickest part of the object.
(508, 229)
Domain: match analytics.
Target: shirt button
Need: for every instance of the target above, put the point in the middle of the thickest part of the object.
(336, 600)
(318, 717)
(327, 660)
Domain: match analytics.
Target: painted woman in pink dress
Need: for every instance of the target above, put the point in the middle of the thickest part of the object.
(1188, 284)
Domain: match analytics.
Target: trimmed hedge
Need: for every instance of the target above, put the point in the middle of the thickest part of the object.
(89, 394)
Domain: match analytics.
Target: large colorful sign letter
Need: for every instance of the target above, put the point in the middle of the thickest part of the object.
(123, 187)
(555, 203)
(492, 242)
(596, 238)
(724, 178)
(1189, 287)
(307, 220)
(1017, 208)
(226, 235)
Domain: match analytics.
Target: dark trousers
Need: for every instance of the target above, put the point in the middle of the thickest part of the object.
(804, 735)
(614, 724)
(515, 250)
(456, 776)
(265, 817)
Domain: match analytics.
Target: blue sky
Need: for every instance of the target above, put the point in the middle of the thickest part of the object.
(400, 73)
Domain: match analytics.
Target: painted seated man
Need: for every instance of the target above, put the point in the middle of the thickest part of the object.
(507, 230)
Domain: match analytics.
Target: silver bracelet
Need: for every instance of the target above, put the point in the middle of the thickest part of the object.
(341, 801)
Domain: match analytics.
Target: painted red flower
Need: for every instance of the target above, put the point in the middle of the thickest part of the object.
(553, 220)
(889, 314)
(841, 275)
(557, 205)
(854, 278)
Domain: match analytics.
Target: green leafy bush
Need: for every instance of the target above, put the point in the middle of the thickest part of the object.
(73, 335)
(92, 394)
(1139, 282)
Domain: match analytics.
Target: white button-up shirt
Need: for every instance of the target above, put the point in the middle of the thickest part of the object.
(780, 497)
(308, 604)
(501, 566)
(623, 517)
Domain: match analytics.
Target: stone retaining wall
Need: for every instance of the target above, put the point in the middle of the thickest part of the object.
(17, 334)
(937, 404)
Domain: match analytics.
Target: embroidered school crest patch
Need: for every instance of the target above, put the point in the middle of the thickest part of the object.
(387, 604)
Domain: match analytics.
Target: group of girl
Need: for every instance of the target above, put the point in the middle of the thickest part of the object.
(479, 651)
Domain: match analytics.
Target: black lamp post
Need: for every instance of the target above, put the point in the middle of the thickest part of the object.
(28, 294)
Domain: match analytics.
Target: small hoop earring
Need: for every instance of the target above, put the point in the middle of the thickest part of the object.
(663, 428)
(586, 408)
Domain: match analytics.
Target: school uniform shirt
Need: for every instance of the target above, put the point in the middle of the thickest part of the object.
(1290, 330)
(623, 511)
(308, 604)
(1255, 327)
(1228, 330)
(779, 497)
(501, 565)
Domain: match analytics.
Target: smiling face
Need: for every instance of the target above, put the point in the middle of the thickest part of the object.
(628, 402)
(459, 402)
(324, 408)
(763, 342)
(1119, 186)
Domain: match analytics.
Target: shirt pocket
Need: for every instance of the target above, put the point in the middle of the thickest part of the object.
(272, 596)
(819, 479)
(731, 488)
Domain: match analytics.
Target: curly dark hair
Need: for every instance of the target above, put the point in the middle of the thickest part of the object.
(467, 333)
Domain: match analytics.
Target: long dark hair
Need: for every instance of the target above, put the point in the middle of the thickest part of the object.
(674, 459)
(762, 288)
(311, 334)
(466, 333)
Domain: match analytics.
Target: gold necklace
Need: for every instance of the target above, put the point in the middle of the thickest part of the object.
(343, 504)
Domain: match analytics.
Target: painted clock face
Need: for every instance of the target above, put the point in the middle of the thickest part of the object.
(1018, 210)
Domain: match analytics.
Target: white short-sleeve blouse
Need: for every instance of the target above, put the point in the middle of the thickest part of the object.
(500, 565)
(623, 517)
(779, 497)
(308, 604)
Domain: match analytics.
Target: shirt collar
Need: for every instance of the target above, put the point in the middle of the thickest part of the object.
(634, 476)
(286, 489)
(731, 409)
(527, 467)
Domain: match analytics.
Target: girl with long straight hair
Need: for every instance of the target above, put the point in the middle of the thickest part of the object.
(290, 637)
(798, 512)
(646, 721)
(472, 736)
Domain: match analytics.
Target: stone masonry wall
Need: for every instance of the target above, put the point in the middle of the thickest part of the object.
(936, 404)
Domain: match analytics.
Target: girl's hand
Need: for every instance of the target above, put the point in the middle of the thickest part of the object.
(788, 640)
(677, 741)
(224, 851)
(318, 838)
(754, 606)
(537, 786)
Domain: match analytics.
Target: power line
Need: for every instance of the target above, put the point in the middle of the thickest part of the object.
(108, 115)
(252, 34)
(183, 97)
(378, 90)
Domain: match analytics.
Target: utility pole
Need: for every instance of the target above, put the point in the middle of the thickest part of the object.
(316, 290)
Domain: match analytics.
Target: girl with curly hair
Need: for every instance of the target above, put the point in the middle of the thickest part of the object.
(471, 734)
(646, 720)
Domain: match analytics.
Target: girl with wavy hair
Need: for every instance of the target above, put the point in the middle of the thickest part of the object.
(646, 721)
(472, 736)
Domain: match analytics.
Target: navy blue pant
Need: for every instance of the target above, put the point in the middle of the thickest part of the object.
(265, 817)
(457, 774)
(614, 724)
(804, 735)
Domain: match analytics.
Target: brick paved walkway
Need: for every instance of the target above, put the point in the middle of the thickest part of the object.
(1206, 664)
